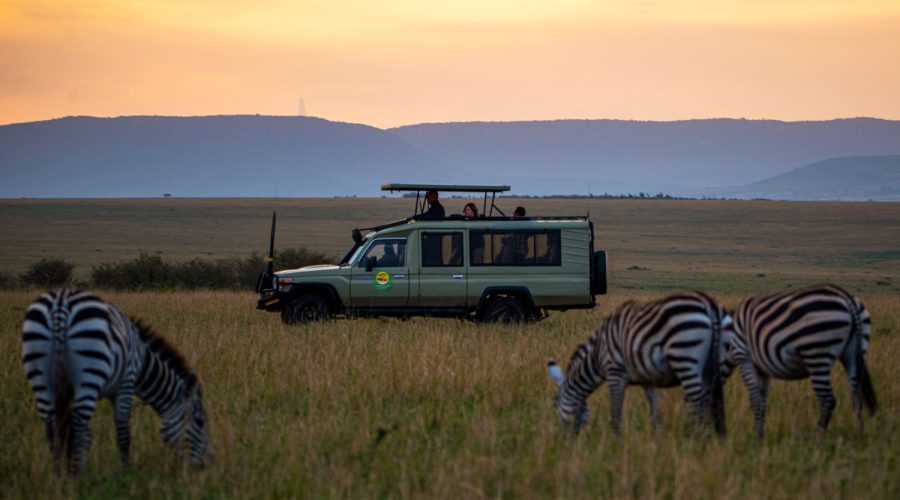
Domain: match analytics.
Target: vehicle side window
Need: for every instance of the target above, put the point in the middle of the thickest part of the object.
(514, 248)
(442, 249)
(389, 253)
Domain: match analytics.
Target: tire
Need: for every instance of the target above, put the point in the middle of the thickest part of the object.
(505, 311)
(307, 308)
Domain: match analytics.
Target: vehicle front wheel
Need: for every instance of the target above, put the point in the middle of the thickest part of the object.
(504, 310)
(307, 308)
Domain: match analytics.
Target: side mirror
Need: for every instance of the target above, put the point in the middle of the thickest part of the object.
(370, 263)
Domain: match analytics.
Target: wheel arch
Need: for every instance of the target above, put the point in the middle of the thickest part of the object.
(326, 290)
(520, 293)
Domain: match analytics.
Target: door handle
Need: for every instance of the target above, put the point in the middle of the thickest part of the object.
(457, 276)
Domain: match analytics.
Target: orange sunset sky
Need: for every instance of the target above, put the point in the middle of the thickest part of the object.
(389, 63)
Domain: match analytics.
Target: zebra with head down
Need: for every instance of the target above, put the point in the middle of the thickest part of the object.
(76, 349)
(674, 341)
(798, 334)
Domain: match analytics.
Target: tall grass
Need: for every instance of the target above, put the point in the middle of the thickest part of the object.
(428, 407)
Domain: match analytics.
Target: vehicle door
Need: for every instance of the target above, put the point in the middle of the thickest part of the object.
(379, 278)
(442, 275)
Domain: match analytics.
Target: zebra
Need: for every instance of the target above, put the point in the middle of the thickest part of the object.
(799, 334)
(76, 349)
(675, 340)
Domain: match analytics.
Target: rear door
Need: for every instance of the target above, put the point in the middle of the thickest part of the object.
(442, 275)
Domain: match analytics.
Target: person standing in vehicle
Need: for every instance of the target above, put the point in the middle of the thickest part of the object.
(435, 209)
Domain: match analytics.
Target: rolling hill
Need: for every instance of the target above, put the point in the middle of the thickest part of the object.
(203, 156)
(630, 156)
(262, 156)
(847, 178)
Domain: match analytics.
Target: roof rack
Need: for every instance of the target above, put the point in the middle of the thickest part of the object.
(453, 188)
(456, 188)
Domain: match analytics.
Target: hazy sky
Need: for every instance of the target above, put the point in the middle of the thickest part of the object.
(396, 62)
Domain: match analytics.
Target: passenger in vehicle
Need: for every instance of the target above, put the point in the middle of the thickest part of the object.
(470, 211)
(520, 212)
(477, 247)
(390, 258)
(551, 255)
(435, 209)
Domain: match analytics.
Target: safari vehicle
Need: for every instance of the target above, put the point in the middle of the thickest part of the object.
(493, 268)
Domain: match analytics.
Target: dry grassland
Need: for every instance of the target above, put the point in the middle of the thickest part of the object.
(367, 408)
(442, 408)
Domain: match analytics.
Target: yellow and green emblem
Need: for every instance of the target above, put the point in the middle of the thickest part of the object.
(383, 280)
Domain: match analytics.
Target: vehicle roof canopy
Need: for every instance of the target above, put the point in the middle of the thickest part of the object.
(456, 188)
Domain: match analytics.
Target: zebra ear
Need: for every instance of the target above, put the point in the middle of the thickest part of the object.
(190, 381)
(556, 372)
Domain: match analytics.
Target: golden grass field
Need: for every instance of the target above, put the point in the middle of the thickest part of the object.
(444, 408)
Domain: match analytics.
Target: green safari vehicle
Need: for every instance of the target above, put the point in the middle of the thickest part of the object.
(493, 268)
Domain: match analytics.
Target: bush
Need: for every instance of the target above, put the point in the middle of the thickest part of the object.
(248, 270)
(142, 273)
(7, 281)
(204, 274)
(48, 273)
(151, 272)
(291, 258)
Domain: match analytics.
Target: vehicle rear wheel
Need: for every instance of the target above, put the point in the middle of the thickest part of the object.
(504, 310)
(306, 308)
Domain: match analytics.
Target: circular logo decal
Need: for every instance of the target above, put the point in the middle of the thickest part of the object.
(383, 280)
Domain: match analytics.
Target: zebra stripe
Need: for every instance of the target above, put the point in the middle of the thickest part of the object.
(76, 349)
(798, 334)
(677, 340)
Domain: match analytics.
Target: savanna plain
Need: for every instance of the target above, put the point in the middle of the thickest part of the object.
(447, 408)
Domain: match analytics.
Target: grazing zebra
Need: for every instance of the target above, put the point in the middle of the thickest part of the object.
(77, 348)
(672, 341)
(798, 334)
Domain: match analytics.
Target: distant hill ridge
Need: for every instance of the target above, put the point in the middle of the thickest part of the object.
(248, 155)
(852, 177)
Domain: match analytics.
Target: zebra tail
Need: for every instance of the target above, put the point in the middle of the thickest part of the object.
(63, 396)
(714, 374)
(864, 384)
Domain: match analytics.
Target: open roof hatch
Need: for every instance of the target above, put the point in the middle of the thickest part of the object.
(453, 188)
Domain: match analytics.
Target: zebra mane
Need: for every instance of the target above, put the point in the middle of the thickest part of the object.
(157, 344)
(583, 351)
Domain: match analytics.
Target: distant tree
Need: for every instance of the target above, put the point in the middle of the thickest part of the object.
(167, 195)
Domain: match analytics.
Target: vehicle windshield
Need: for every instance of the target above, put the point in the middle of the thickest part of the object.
(353, 255)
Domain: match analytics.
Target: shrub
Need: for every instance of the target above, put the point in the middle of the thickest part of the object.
(199, 273)
(7, 281)
(48, 273)
(151, 272)
(291, 258)
(247, 270)
(144, 272)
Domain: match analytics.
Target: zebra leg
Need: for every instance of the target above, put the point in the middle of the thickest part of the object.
(616, 383)
(79, 442)
(758, 388)
(820, 375)
(696, 393)
(122, 417)
(653, 402)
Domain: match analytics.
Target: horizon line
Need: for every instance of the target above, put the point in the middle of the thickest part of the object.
(545, 120)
